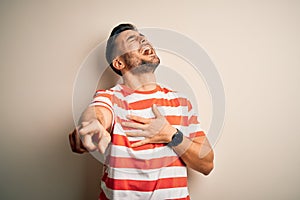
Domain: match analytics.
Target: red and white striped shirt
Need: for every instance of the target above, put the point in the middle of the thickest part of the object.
(151, 171)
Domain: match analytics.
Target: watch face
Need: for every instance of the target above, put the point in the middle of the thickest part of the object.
(176, 139)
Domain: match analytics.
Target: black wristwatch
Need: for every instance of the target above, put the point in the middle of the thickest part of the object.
(176, 139)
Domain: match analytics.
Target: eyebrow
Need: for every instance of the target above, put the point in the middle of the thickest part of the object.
(133, 36)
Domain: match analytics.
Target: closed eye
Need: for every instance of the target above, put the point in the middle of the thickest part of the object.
(131, 38)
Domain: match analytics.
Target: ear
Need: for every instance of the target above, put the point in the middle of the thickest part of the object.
(118, 63)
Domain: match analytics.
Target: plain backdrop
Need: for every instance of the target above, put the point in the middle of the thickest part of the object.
(255, 46)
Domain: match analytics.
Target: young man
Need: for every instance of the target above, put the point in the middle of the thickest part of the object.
(148, 134)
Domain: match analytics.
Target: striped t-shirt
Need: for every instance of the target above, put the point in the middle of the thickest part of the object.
(151, 171)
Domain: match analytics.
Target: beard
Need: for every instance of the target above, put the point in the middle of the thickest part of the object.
(138, 65)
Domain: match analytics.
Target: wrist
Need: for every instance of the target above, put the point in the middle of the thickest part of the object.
(177, 139)
(170, 131)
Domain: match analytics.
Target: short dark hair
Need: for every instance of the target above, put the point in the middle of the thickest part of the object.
(110, 45)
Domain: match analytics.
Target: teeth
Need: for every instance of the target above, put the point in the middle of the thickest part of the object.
(146, 51)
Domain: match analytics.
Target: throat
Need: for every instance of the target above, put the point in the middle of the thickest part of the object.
(142, 82)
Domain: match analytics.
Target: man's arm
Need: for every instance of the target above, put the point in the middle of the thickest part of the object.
(100, 113)
(196, 154)
(94, 124)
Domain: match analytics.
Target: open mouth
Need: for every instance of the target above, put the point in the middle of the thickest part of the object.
(147, 50)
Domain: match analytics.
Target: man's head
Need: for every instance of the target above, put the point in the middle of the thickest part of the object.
(129, 50)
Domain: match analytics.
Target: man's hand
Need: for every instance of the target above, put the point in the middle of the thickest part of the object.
(157, 130)
(76, 143)
(94, 136)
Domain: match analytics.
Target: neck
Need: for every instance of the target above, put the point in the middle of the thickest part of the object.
(141, 82)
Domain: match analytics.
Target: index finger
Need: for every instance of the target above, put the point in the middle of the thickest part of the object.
(139, 119)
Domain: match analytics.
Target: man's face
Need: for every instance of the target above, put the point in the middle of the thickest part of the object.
(136, 51)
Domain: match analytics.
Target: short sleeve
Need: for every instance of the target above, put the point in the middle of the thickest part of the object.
(103, 98)
(193, 124)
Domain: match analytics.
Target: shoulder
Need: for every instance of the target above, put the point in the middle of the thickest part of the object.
(111, 91)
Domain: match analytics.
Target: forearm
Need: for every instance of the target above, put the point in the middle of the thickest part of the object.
(196, 154)
(89, 114)
(94, 128)
(101, 114)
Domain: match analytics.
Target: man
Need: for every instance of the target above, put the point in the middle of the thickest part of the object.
(148, 134)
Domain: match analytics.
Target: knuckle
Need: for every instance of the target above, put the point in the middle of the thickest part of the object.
(81, 132)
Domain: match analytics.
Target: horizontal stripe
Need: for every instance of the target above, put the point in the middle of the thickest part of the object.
(172, 119)
(123, 110)
(177, 120)
(197, 134)
(132, 97)
(144, 104)
(169, 193)
(145, 185)
(142, 154)
(119, 93)
(185, 198)
(103, 95)
(141, 104)
(152, 174)
(113, 100)
(135, 97)
(118, 130)
(118, 162)
(122, 140)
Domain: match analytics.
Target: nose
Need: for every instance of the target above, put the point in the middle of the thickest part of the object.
(143, 39)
